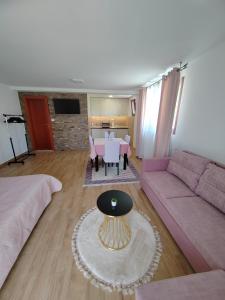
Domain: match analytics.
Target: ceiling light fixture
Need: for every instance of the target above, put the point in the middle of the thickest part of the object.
(76, 80)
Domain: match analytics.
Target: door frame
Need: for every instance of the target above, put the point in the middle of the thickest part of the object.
(29, 122)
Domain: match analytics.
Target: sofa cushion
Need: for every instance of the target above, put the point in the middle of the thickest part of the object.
(188, 167)
(190, 161)
(207, 286)
(203, 225)
(187, 176)
(211, 186)
(166, 185)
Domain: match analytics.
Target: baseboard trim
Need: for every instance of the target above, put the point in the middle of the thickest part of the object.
(41, 151)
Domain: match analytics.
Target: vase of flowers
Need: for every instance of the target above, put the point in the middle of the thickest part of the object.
(114, 202)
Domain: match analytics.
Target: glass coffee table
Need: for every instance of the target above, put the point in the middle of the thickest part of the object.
(114, 233)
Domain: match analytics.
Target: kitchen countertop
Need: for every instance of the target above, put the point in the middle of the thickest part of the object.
(115, 127)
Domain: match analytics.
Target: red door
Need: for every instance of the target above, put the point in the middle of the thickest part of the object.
(39, 122)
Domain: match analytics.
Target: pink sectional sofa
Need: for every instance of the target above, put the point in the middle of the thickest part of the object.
(201, 286)
(188, 192)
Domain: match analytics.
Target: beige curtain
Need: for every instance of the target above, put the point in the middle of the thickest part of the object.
(140, 112)
(169, 90)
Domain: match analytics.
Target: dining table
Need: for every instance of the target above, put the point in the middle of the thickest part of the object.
(99, 144)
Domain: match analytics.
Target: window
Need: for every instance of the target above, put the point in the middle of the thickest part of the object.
(150, 117)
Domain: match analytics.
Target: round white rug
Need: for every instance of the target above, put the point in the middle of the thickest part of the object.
(121, 270)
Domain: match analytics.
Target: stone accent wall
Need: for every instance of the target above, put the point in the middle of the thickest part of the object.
(69, 131)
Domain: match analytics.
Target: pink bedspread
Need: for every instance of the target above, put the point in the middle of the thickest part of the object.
(22, 201)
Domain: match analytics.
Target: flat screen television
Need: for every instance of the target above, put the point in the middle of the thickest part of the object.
(67, 106)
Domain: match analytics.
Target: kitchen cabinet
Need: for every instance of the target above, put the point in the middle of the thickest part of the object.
(109, 107)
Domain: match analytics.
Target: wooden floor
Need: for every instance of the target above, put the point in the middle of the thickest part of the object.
(45, 268)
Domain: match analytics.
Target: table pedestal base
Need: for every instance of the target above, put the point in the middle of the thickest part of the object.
(114, 233)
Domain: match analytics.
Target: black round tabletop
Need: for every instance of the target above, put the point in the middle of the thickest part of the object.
(123, 206)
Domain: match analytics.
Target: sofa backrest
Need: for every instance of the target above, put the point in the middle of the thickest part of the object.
(211, 186)
(188, 167)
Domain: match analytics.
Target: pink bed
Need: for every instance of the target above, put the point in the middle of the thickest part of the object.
(22, 201)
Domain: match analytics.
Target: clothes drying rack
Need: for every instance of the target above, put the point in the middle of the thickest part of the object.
(16, 119)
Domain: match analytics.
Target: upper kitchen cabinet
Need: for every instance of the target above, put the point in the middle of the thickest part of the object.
(109, 107)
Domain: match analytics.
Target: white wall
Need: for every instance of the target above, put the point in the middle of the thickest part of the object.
(9, 104)
(201, 123)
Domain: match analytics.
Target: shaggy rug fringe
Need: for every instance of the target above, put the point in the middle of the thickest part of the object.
(126, 289)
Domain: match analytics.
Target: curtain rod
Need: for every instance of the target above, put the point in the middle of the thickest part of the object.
(181, 68)
(155, 82)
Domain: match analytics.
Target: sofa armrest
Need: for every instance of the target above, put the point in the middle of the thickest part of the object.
(155, 164)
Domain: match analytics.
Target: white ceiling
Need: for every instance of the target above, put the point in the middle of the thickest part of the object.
(110, 44)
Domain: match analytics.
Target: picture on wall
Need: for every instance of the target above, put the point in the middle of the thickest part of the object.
(133, 107)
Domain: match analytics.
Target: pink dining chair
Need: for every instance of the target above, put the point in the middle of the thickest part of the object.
(112, 153)
(106, 134)
(127, 138)
(112, 135)
(92, 150)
